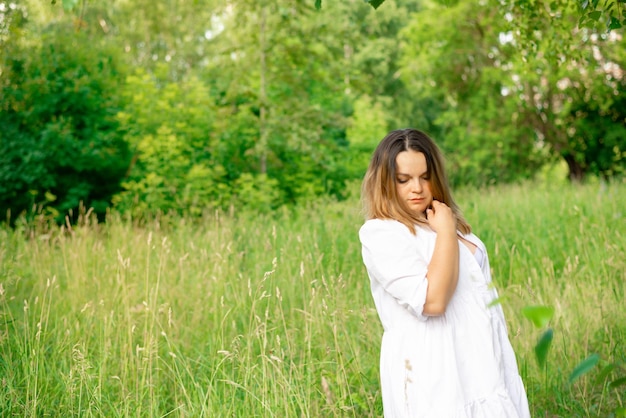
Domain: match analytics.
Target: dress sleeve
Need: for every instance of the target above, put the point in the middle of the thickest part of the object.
(392, 258)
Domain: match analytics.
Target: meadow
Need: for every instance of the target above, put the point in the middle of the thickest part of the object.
(246, 315)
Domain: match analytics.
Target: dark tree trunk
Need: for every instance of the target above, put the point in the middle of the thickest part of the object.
(576, 170)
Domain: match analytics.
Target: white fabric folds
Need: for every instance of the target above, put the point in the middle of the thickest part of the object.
(458, 365)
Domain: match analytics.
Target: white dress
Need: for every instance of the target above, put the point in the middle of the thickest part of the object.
(460, 364)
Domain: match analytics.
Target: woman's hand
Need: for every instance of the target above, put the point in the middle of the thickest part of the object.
(441, 218)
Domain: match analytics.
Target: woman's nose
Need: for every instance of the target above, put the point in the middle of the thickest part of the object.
(417, 186)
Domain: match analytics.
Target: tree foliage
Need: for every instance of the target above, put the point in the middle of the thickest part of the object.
(179, 106)
(509, 101)
(278, 77)
(59, 140)
(464, 72)
(611, 13)
(168, 126)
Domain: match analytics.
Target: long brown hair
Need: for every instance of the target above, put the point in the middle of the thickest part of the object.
(378, 191)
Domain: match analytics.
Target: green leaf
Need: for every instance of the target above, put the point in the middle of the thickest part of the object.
(584, 366)
(543, 346)
(50, 197)
(496, 302)
(595, 15)
(620, 412)
(375, 3)
(582, 21)
(614, 23)
(539, 315)
(318, 4)
(69, 4)
(617, 382)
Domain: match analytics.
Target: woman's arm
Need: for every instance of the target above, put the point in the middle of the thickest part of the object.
(443, 269)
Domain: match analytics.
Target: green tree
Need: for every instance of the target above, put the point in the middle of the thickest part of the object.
(507, 102)
(150, 33)
(276, 78)
(169, 127)
(59, 140)
(610, 12)
(563, 74)
(463, 73)
(157, 33)
(597, 126)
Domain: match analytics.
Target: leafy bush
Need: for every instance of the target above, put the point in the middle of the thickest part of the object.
(59, 141)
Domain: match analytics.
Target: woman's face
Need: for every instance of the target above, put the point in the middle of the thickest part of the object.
(412, 181)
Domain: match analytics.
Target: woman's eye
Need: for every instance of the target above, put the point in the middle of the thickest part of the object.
(402, 181)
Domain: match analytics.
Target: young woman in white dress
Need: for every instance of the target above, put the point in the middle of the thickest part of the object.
(445, 350)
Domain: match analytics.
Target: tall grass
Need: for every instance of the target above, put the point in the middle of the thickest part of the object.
(271, 316)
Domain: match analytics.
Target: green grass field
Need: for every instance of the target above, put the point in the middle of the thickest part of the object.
(247, 316)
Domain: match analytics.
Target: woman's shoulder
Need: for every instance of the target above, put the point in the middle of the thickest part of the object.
(377, 222)
(390, 229)
(373, 225)
(391, 238)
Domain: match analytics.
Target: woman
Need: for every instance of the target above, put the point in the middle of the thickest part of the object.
(445, 350)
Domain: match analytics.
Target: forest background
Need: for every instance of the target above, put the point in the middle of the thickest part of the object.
(179, 192)
(180, 106)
